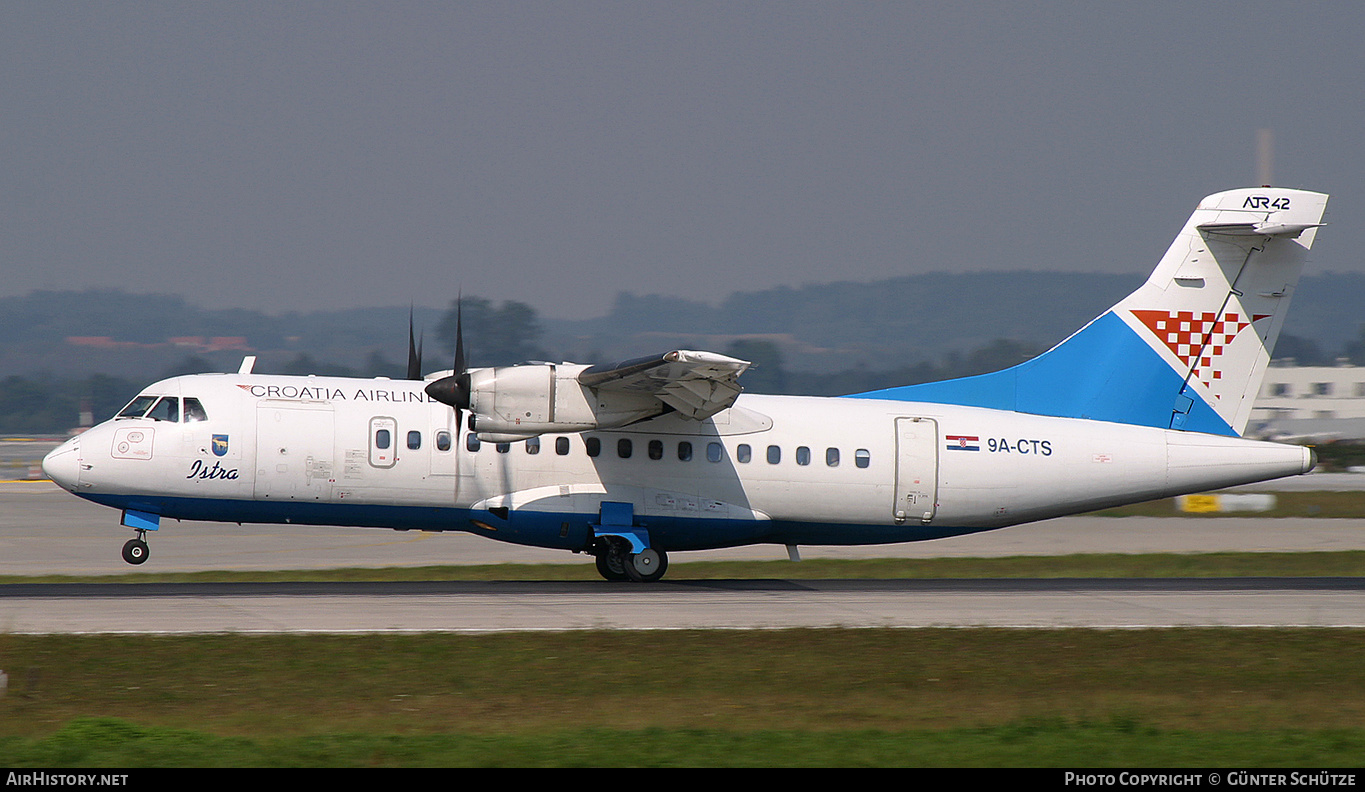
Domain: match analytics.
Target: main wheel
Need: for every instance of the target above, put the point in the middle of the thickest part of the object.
(646, 566)
(135, 551)
(611, 565)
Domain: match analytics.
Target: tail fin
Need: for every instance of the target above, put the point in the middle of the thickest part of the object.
(1189, 348)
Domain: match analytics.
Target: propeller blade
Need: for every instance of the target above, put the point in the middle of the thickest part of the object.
(414, 352)
(459, 336)
(454, 390)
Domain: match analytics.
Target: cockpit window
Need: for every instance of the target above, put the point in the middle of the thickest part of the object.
(168, 409)
(194, 411)
(137, 407)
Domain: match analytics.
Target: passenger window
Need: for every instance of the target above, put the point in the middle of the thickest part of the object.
(802, 455)
(715, 452)
(593, 445)
(533, 445)
(684, 451)
(471, 442)
(443, 441)
(832, 457)
(624, 448)
(168, 409)
(504, 447)
(744, 453)
(862, 458)
(194, 411)
(774, 455)
(656, 449)
(137, 407)
(382, 438)
(414, 440)
(562, 446)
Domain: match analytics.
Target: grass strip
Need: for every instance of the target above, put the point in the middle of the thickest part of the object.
(951, 697)
(109, 742)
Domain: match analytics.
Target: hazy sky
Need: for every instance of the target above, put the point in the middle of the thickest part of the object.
(292, 155)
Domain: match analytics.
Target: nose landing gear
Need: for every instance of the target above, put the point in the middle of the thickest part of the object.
(135, 550)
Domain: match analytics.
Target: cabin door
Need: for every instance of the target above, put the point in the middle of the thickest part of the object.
(916, 470)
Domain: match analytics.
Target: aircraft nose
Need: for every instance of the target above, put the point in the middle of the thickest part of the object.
(63, 465)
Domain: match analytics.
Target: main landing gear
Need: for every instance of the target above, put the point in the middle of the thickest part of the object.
(135, 550)
(616, 562)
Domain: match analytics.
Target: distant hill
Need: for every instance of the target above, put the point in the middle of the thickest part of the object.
(830, 327)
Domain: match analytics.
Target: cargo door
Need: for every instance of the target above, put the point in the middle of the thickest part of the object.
(294, 450)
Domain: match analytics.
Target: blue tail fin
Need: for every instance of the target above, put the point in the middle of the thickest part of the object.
(1189, 348)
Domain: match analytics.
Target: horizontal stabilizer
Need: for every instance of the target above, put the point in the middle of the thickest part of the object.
(1258, 229)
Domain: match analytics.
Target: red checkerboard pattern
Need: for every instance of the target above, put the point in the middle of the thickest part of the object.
(1198, 340)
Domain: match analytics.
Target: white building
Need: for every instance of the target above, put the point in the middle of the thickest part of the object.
(1310, 402)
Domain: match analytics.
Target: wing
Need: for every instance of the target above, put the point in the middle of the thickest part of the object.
(696, 384)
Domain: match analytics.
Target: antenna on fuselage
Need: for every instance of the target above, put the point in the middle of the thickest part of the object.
(248, 363)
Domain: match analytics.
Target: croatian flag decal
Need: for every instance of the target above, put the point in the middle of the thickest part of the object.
(963, 442)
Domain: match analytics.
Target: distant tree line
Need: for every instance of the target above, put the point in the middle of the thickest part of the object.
(502, 335)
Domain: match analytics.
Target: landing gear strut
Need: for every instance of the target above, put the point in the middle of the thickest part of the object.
(615, 562)
(135, 550)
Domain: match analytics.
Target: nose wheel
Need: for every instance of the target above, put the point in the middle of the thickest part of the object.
(135, 550)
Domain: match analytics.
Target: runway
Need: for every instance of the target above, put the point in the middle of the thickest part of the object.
(44, 530)
(724, 604)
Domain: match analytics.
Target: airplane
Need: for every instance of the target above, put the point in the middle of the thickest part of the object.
(661, 454)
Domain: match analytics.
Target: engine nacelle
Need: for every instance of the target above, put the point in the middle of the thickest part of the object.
(516, 402)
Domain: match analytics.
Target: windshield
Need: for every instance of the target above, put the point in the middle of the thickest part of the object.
(136, 407)
(168, 409)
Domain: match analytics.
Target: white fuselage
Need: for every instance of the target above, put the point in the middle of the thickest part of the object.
(781, 469)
